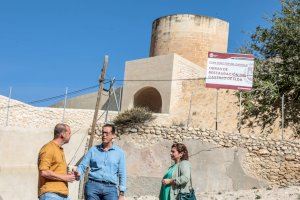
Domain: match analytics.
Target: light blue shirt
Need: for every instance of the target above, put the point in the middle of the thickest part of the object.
(106, 166)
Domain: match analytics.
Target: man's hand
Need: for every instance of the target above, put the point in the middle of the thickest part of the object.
(167, 181)
(76, 173)
(70, 177)
(59, 177)
(77, 176)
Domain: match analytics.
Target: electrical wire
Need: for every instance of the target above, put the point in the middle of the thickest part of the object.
(55, 97)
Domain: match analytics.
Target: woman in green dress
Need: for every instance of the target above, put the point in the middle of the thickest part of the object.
(177, 177)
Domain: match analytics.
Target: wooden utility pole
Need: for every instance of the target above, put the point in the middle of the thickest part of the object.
(91, 140)
(101, 85)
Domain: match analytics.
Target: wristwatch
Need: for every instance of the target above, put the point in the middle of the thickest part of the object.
(121, 193)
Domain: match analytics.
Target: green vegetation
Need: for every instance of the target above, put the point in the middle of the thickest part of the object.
(257, 197)
(137, 115)
(277, 70)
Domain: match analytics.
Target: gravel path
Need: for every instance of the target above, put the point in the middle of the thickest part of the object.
(288, 193)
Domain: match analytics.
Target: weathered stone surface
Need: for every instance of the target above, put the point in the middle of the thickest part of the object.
(266, 158)
(290, 158)
(263, 152)
(133, 130)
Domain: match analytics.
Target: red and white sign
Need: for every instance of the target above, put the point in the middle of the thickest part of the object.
(229, 71)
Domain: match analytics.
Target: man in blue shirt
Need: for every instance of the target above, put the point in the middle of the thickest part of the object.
(107, 169)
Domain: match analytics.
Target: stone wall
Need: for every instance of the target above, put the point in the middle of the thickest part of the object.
(275, 161)
(191, 36)
(196, 106)
(214, 166)
(24, 115)
(19, 147)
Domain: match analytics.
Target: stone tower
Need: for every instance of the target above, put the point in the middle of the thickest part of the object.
(190, 36)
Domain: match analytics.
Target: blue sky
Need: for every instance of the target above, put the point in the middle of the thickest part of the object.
(46, 46)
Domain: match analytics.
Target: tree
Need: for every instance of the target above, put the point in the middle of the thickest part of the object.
(277, 69)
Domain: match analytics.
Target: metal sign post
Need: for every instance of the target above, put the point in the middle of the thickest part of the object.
(189, 116)
(8, 105)
(282, 117)
(65, 104)
(240, 112)
(217, 96)
(116, 100)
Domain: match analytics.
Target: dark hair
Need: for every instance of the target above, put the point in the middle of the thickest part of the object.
(181, 148)
(113, 128)
(59, 129)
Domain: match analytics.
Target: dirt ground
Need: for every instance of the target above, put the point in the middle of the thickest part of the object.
(287, 193)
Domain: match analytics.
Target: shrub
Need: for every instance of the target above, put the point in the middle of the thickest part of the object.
(137, 115)
(257, 197)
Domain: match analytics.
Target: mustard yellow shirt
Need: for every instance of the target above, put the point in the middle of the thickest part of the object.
(52, 157)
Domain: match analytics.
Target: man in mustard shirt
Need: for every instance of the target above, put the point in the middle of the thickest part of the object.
(53, 176)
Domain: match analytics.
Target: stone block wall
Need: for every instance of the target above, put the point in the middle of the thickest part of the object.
(24, 115)
(182, 70)
(276, 161)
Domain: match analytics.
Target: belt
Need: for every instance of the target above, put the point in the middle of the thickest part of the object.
(61, 195)
(103, 182)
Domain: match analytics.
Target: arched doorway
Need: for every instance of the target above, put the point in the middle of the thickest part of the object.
(148, 97)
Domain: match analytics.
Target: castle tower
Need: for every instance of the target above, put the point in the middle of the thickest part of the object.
(190, 36)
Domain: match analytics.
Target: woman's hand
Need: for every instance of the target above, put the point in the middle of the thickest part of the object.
(167, 181)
